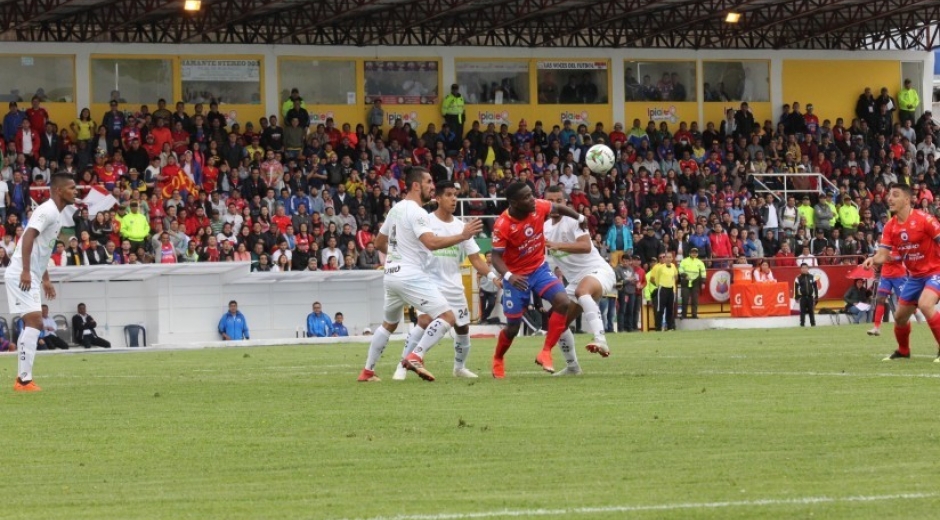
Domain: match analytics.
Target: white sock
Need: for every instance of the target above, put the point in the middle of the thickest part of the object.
(567, 347)
(417, 332)
(434, 333)
(27, 344)
(461, 350)
(379, 342)
(592, 316)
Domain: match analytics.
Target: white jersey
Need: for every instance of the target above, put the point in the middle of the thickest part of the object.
(407, 257)
(446, 262)
(573, 265)
(47, 220)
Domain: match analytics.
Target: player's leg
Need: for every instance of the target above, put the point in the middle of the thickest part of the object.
(885, 287)
(908, 297)
(549, 288)
(426, 297)
(458, 303)
(394, 305)
(590, 290)
(28, 303)
(568, 350)
(927, 304)
(417, 332)
(514, 304)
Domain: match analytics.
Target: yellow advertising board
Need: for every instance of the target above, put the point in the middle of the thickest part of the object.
(670, 112)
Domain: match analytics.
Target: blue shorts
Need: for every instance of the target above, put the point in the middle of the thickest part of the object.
(541, 281)
(913, 287)
(886, 286)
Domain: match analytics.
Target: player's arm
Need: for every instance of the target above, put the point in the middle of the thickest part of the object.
(517, 281)
(29, 238)
(479, 264)
(381, 242)
(882, 255)
(581, 246)
(432, 242)
(565, 211)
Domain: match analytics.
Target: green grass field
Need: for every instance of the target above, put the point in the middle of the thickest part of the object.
(747, 424)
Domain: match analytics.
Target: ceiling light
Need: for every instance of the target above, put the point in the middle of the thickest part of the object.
(733, 17)
(192, 5)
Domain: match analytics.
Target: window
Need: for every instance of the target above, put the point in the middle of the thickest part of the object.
(736, 81)
(573, 82)
(402, 82)
(494, 83)
(233, 82)
(320, 82)
(52, 78)
(131, 80)
(660, 80)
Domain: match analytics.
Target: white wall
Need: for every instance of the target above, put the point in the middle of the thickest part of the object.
(185, 307)
(83, 53)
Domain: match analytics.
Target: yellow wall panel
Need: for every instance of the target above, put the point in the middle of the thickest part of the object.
(833, 86)
(672, 112)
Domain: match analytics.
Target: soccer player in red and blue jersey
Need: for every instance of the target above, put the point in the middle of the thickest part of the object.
(519, 256)
(915, 236)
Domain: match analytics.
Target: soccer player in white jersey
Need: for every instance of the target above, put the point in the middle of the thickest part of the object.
(589, 275)
(27, 271)
(445, 268)
(407, 239)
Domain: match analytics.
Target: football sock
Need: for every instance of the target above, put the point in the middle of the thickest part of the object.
(377, 346)
(557, 324)
(592, 315)
(27, 344)
(879, 315)
(934, 324)
(567, 347)
(502, 345)
(903, 335)
(461, 350)
(432, 335)
(412, 341)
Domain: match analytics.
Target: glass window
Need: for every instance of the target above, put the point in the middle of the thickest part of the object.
(660, 80)
(573, 82)
(131, 80)
(320, 82)
(233, 82)
(494, 83)
(52, 78)
(402, 82)
(736, 80)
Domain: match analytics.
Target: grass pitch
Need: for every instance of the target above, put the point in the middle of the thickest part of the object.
(724, 424)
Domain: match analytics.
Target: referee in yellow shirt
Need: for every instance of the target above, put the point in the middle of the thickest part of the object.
(666, 276)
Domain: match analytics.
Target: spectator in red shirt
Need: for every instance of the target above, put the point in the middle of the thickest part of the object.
(720, 244)
(38, 117)
(364, 236)
(785, 257)
(281, 220)
(27, 141)
(161, 134)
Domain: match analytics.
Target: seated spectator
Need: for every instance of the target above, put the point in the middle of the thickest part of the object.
(339, 330)
(369, 258)
(763, 273)
(233, 326)
(857, 301)
(47, 337)
(83, 330)
(807, 258)
(318, 323)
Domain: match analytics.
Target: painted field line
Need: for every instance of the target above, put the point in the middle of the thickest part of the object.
(658, 507)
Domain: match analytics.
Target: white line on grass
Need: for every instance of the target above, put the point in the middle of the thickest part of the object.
(658, 507)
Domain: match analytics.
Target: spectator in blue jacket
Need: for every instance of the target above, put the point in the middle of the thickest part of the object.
(339, 330)
(620, 239)
(700, 240)
(12, 121)
(319, 324)
(233, 325)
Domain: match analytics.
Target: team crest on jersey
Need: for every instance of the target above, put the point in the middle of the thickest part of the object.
(904, 236)
(529, 231)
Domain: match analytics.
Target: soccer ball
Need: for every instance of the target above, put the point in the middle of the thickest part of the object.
(600, 159)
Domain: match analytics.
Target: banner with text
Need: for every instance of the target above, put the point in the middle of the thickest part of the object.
(221, 70)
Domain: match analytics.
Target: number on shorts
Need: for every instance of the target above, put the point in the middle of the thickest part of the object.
(462, 313)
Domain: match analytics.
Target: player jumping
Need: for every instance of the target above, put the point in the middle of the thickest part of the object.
(589, 275)
(519, 255)
(915, 236)
(408, 239)
(28, 266)
(445, 269)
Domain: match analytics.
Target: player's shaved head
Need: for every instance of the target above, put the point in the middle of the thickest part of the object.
(61, 178)
(516, 190)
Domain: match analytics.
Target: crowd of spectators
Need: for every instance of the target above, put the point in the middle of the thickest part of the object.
(191, 187)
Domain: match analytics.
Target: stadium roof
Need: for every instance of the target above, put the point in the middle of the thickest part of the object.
(690, 24)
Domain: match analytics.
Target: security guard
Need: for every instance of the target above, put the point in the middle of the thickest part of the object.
(692, 275)
(453, 111)
(908, 100)
(665, 277)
